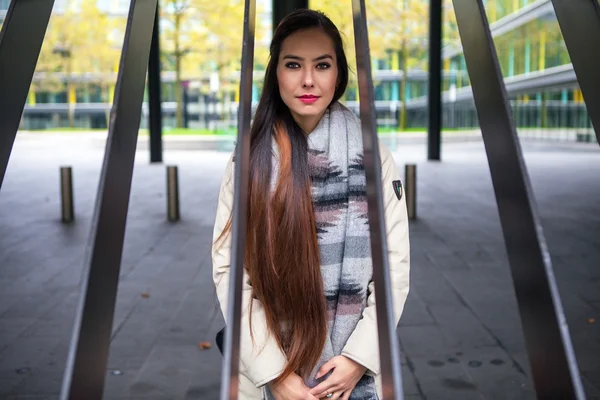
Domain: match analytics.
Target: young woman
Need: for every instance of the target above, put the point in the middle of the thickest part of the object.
(309, 327)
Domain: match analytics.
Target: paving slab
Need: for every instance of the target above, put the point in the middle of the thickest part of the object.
(460, 333)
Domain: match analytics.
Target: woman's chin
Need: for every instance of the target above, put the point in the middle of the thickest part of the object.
(311, 110)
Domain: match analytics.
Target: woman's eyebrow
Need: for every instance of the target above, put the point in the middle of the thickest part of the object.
(294, 57)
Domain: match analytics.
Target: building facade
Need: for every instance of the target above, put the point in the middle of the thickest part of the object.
(539, 77)
(535, 63)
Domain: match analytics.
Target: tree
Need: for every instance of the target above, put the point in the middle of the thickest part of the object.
(400, 26)
(395, 27)
(80, 41)
(340, 13)
(183, 42)
(224, 21)
(203, 37)
(450, 25)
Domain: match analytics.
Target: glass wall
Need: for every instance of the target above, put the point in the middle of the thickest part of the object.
(557, 114)
(3, 7)
(536, 46)
(498, 9)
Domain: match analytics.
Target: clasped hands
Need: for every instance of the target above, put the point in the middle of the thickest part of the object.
(346, 374)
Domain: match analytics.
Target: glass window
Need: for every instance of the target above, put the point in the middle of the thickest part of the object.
(42, 97)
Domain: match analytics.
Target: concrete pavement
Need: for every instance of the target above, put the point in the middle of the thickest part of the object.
(460, 333)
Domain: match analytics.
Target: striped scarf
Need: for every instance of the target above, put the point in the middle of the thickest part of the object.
(340, 206)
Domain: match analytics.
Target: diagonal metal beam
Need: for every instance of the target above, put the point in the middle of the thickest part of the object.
(88, 354)
(553, 364)
(389, 349)
(579, 22)
(154, 96)
(21, 40)
(231, 356)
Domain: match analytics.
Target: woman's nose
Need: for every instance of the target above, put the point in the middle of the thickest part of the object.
(307, 81)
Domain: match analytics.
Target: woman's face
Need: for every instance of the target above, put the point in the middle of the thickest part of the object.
(307, 74)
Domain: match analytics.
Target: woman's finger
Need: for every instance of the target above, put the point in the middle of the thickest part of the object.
(336, 395)
(325, 368)
(332, 389)
(327, 386)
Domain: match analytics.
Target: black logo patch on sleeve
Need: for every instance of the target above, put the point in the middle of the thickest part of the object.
(398, 189)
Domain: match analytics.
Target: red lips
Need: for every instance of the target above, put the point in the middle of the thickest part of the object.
(308, 98)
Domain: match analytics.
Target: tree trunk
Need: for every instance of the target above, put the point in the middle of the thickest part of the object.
(69, 87)
(404, 65)
(544, 111)
(108, 111)
(222, 89)
(71, 105)
(178, 93)
(178, 57)
(224, 100)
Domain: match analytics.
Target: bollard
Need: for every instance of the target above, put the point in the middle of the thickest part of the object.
(172, 194)
(410, 177)
(66, 194)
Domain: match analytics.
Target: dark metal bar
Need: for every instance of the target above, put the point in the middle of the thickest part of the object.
(185, 100)
(172, 194)
(281, 8)
(389, 349)
(553, 364)
(154, 97)
(410, 176)
(579, 22)
(88, 354)
(21, 39)
(66, 194)
(231, 358)
(434, 128)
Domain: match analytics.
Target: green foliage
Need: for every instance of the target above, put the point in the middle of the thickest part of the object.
(78, 42)
(205, 36)
(82, 46)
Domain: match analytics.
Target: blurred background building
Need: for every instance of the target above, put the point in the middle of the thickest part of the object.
(75, 94)
(540, 80)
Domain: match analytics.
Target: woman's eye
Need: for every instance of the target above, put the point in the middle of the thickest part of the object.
(292, 65)
(323, 65)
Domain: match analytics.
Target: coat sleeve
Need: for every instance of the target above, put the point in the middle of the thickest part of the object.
(363, 344)
(261, 360)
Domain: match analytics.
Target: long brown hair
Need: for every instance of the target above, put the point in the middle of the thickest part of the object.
(282, 252)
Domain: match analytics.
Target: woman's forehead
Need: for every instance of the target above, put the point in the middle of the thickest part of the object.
(308, 43)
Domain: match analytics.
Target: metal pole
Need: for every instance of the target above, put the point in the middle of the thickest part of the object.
(555, 373)
(66, 194)
(85, 369)
(389, 348)
(434, 130)
(185, 99)
(231, 342)
(172, 194)
(154, 97)
(410, 176)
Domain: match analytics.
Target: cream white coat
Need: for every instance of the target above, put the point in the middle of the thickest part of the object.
(264, 361)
